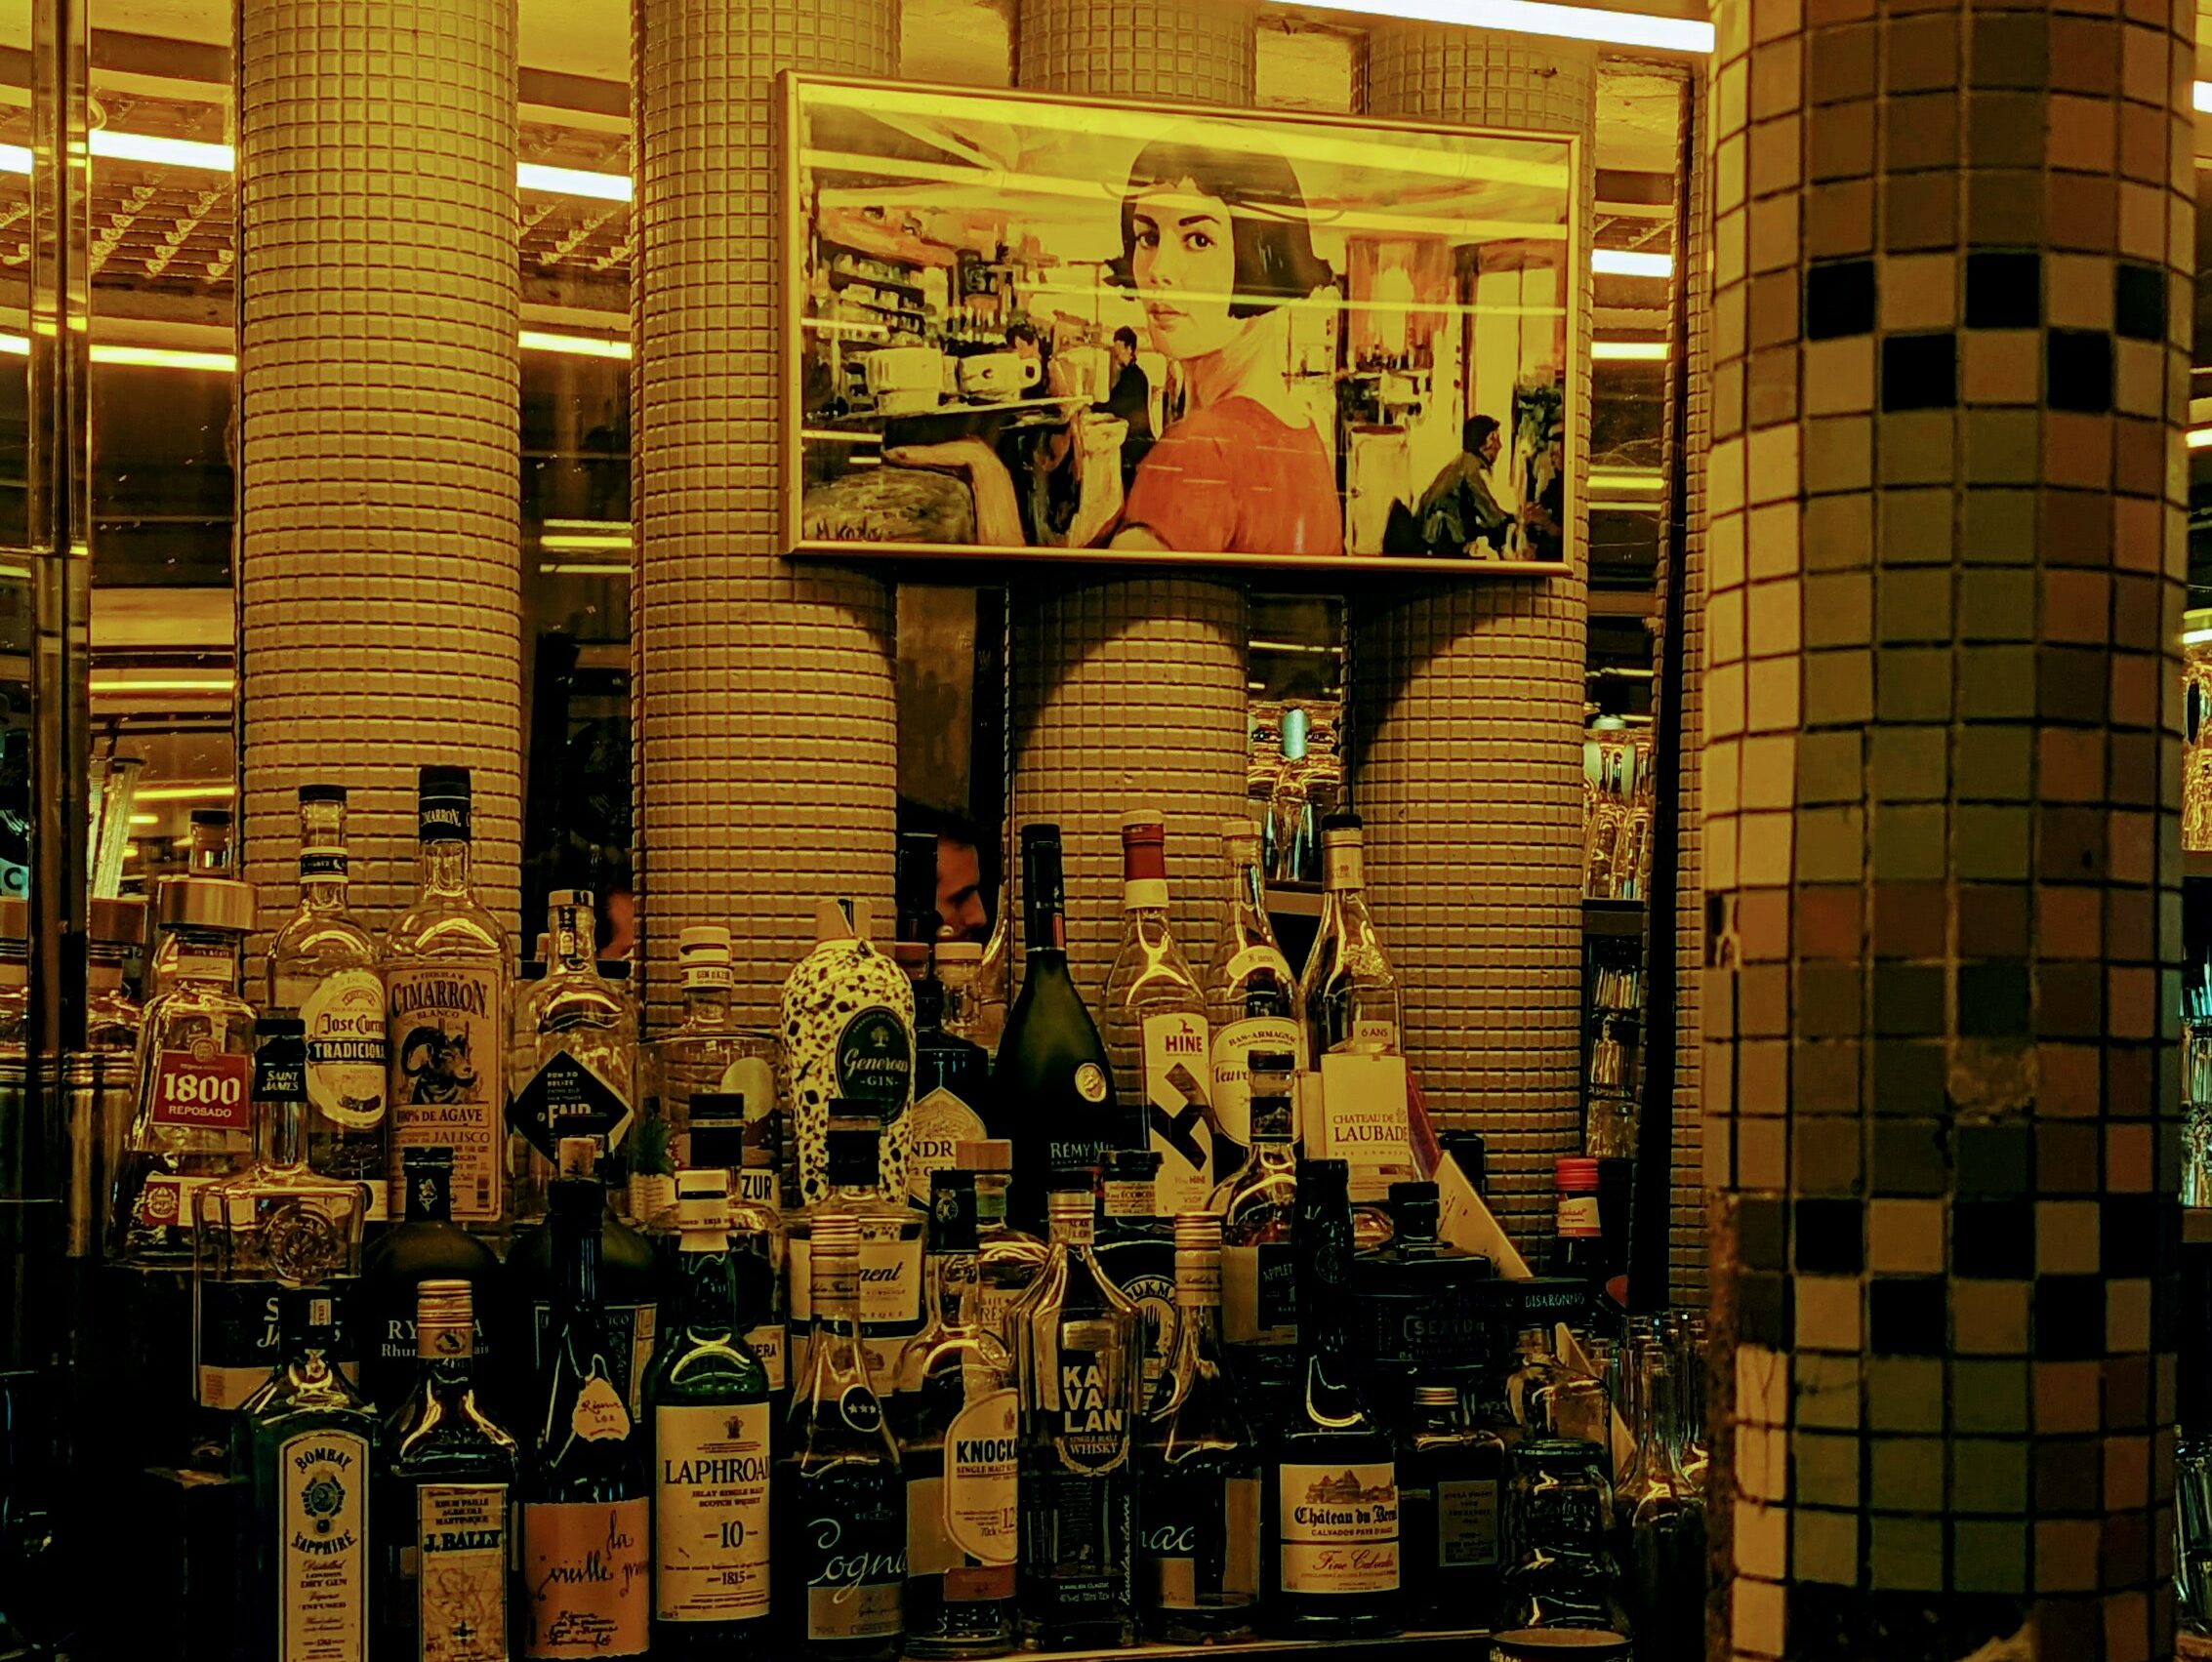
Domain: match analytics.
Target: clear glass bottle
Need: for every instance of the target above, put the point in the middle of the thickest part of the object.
(445, 1480)
(1252, 997)
(1008, 1259)
(276, 1224)
(302, 1454)
(1553, 1401)
(958, 1417)
(1136, 1247)
(1665, 1526)
(847, 1030)
(1452, 1485)
(447, 977)
(193, 1120)
(1156, 1029)
(1078, 1342)
(1199, 1468)
(839, 1552)
(1259, 1311)
(890, 1244)
(579, 1038)
(723, 1139)
(1560, 1520)
(995, 974)
(1348, 993)
(708, 1053)
(322, 967)
(706, 1399)
(1330, 1491)
(425, 1246)
(586, 1511)
(952, 1074)
(1293, 817)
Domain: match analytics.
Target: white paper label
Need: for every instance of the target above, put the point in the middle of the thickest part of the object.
(347, 1059)
(1178, 1085)
(1467, 1524)
(890, 1305)
(710, 1512)
(446, 1032)
(1579, 1216)
(1233, 1047)
(1259, 1295)
(968, 1516)
(1365, 1122)
(461, 1572)
(322, 1479)
(767, 1344)
(1340, 1527)
(598, 1413)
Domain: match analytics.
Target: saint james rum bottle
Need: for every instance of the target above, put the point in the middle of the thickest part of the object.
(446, 977)
(1198, 1498)
(1330, 1558)
(322, 967)
(586, 1563)
(839, 1522)
(707, 1396)
(445, 1483)
(958, 1417)
(1156, 1027)
(300, 1453)
(1252, 997)
(1348, 993)
(1052, 1088)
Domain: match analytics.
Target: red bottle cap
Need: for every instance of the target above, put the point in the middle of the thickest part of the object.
(1576, 1174)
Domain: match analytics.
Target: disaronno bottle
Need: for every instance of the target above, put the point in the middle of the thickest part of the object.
(847, 1031)
(1156, 1028)
(1251, 995)
(322, 968)
(447, 976)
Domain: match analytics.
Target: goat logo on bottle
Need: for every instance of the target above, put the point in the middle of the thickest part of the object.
(437, 1065)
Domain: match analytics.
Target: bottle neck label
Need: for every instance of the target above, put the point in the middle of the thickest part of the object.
(1197, 1279)
(1076, 1229)
(1343, 865)
(1145, 894)
(1577, 1217)
(322, 865)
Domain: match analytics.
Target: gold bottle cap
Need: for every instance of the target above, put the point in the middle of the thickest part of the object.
(201, 902)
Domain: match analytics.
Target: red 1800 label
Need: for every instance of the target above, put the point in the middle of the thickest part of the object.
(206, 1091)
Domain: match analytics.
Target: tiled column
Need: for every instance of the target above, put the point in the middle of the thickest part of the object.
(766, 716)
(379, 615)
(1953, 312)
(1130, 692)
(1467, 701)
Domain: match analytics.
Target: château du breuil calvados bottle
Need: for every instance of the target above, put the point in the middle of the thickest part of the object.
(447, 976)
(1053, 1088)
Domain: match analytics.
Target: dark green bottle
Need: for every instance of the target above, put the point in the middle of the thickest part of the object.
(1053, 1088)
(707, 1401)
(446, 1480)
(302, 1455)
(425, 1245)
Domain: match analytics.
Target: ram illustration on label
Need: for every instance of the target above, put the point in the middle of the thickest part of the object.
(566, 1099)
(436, 1063)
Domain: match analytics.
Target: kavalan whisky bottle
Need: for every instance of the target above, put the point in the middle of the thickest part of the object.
(322, 968)
(446, 974)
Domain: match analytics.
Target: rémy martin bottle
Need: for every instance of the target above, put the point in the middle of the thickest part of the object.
(447, 976)
(1156, 1028)
(1053, 1088)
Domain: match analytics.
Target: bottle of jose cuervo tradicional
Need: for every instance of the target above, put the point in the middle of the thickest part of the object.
(446, 980)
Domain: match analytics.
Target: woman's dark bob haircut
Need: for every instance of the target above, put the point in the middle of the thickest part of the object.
(1268, 231)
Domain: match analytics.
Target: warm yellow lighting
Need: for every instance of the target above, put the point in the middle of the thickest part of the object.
(574, 181)
(1639, 479)
(2200, 437)
(1623, 262)
(1629, 351)
(580, 346)
(2203, 98)
(169, 153)
(2196, 637)
(184, 792)
(15, 158)
(561, 569)
(145, 819)
(602, 526)
(164, 357)
(219, 683)
(568, 543)
(15, 345)
(1532, 16)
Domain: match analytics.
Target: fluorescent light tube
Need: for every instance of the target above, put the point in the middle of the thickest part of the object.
(172, 152)
(1641, 351)
(574, 181)
(1533, 17)
(1621, 262)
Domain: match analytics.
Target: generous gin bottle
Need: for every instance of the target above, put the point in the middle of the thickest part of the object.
(585, 1508)
(1330, 1492)
(1349, 993)
(708, 1399)
(300, 1453)
(193, 1120)
(1078, 1342)
(445, 1480)
(1156, 1027)
(958, 1417)
(1198, 1502)
(579, 1042)
(847, 1015)
(446, 975)
(839, 1552)
(322, 967)
(1252, 997)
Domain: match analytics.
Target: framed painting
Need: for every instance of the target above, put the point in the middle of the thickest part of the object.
(1033, 327)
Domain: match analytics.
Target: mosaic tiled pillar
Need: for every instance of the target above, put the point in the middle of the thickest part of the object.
(764, 715)
(1467, 703)
(1951, 320)
(1130, 692)
(379, 581)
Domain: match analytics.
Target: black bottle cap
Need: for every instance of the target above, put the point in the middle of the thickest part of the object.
(1041, 832)
(1323, 1179)
(322, 793)
(716, 1139)
(952, 1211)
(1131, 1165)
(1414, 1210)
(1271, 1062)
(215, 819)
(443, 783)
(850, 1155)
(928, 1002)
(1344, 819)
(281, 1059)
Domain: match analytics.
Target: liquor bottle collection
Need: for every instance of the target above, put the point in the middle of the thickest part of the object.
(516, 1336)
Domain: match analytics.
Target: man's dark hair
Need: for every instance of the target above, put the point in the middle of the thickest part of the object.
(1275, 260)
(1475, 431)
(1021, 329)
(1126, 337)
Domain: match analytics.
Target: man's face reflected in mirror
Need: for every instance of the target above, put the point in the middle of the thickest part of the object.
(959, 890)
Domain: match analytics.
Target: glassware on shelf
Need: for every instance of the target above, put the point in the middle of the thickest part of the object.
(1561, 1518)
(1664, 1523)
(2197, 1113)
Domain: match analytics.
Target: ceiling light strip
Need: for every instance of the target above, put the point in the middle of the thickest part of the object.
(110, 145)
(1626, 262)
(1533, 17)
(1634, 351)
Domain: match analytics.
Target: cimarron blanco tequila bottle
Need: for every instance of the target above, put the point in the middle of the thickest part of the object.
(447, 967)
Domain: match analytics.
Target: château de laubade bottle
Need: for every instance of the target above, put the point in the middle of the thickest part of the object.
(1053, 1088)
